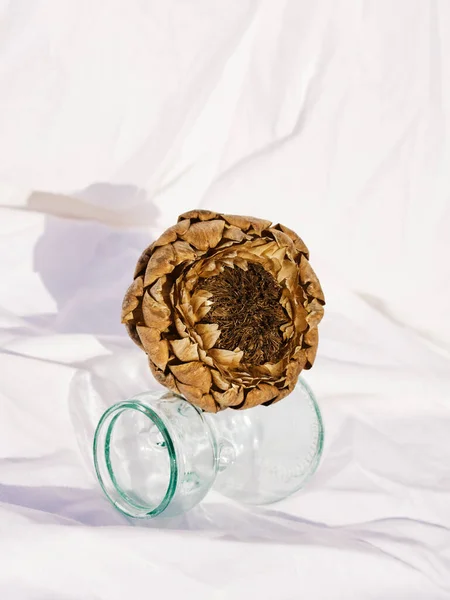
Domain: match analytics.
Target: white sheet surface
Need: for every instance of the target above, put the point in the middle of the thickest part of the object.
(330, 117)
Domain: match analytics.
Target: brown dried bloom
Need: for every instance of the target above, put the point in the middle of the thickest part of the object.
(227, 308)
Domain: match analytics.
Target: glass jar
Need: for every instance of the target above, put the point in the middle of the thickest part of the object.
(157, 454)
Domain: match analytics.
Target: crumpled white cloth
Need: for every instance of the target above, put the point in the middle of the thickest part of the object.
(330, 117)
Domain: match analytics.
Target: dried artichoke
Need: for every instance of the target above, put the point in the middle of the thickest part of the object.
(226, 308)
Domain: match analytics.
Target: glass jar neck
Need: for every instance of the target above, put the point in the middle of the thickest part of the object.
(154, 454)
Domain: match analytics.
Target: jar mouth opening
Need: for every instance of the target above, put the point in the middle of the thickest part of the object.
(119, 457)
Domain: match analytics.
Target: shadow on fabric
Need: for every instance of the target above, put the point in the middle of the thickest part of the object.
(87, 253)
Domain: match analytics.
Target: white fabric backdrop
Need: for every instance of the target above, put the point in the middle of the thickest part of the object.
(331, 117)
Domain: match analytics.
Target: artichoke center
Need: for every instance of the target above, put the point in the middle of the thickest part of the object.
(246, 306)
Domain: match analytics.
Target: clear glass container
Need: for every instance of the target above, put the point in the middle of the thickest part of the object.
(157, 454)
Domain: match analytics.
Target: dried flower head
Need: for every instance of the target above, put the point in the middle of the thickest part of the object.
(227, 308)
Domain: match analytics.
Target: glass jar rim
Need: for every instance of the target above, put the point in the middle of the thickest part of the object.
(123, 502)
